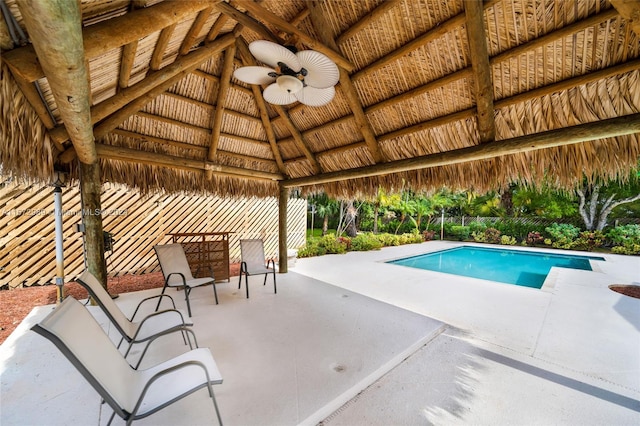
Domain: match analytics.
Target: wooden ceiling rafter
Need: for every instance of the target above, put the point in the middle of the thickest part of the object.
(249, 22)
(128, 53)
(216, 121)
(174, 72)
(194, 31)
(174, 162)
(348, 89)
(247, 58)
(612, 127)
(629, 10)
(298, 139)
(263, 14)
(483, 82)
(111, 34)
(367, 19)
(161, 46)
(202, 150)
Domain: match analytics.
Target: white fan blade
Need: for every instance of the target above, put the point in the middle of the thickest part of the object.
(322, 72)
(278, 96)
(254, 75)
(271, 53)
(315, 97)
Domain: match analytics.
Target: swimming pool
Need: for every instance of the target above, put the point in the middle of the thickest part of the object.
(523, 268)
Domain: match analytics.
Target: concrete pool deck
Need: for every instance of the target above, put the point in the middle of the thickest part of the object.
(351, 340)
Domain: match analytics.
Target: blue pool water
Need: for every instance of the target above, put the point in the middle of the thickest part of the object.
(524, 268)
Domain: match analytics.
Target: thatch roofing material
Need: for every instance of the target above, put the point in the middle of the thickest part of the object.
(553, 64)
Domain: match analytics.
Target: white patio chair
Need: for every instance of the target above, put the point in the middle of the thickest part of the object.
(149, 328)
(132, 394)
(255, 263)
(177, 273)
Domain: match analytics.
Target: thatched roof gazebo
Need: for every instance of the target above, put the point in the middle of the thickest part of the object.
(467, 94)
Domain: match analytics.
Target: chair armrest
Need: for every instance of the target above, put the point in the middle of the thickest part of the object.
(170, 370)
(184, 329)
(184, 280)
(272, 262)
(160, 296)
(178, 322)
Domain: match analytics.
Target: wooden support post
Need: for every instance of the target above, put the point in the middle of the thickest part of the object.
(92, 220)
(283, 199)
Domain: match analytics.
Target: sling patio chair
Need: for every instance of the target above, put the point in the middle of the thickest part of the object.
(149, 328)
(255, 263)
(131, 393)
(177, 273)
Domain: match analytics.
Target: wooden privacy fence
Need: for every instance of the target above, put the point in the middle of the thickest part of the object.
(137, 223)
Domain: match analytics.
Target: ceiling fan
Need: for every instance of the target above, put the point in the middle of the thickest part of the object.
(307, 76)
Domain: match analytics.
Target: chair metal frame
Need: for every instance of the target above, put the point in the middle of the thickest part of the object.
(81, 339)
(185, 278)
(251, 265)
(159, 323)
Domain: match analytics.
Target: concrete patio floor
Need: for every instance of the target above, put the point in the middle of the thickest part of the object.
(350, 340)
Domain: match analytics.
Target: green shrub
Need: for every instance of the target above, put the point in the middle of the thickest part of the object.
(512, 227)
(625, 238)
(508, 240)
(562, 235)
(332, 245)
(479, 237)
(365, 242)
(312, 248)
(588, 240)
(477, 227)
(625, 234)
(460, 232)
(627, 249)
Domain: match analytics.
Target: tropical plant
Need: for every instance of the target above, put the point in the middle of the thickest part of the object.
(562, 234)
(508, 240)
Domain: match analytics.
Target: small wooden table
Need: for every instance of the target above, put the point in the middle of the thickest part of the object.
(206, 251)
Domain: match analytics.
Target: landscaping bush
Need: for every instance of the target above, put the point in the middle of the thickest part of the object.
(312, 248)
(625, 239)
(534, 238)
(365, 242)
(562, 235)
(588, 240)
(460, 232)
(477, 227)
(511, 227)
(428, 235)
(492, 235)
(479, 237)
(332, 245)
(508, 240)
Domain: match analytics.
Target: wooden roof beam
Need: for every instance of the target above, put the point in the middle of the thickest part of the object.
(145, 90)
(126, 64)
(298, 139)
(629, 10)
(216, 124)
(249, 60)
(171, 161)
(58, 43)
(322, 28)
(112, 33)
(610, 128)
(249, 22)
(161, 46)
(479, 54)
(370, 17)
(261, 13)
(216, 27)
(194, 31)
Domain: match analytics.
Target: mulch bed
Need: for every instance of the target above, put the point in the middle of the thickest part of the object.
(17, 303)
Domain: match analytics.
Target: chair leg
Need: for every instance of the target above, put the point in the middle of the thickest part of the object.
(275, 290)
(161, 293)
(215, 292)
(246, 283)
(186, 296)
(215, 404)
(265, 279)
